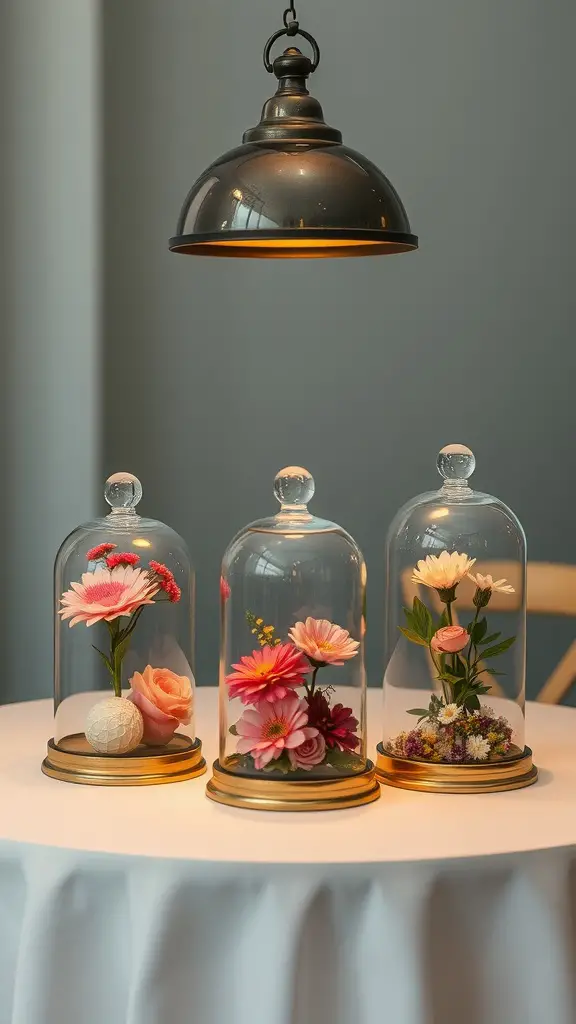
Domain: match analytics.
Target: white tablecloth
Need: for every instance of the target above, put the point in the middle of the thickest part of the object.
(156, 906)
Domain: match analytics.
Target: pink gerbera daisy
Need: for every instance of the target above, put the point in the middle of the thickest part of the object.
(324, 641)
(268, 674)
(106, 594)
(268, 729)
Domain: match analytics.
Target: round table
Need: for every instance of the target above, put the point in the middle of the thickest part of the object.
(154, 905)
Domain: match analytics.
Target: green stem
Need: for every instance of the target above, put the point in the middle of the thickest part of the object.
(469, 652)
(445, 686)
(114, 629)
(313, 680)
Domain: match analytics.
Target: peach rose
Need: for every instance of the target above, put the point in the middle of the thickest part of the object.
(165, 701)
(450, 639)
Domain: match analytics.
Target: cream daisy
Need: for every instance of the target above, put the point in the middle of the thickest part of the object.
(106, 594)
(449, 714)
(477, 748)
(487, 583)
(443, 571)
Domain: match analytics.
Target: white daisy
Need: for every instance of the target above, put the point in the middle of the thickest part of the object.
(443, 571)
(487, 583)
(448, 714)
(477, 748)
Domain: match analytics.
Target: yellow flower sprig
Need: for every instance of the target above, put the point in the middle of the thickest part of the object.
(264, 634)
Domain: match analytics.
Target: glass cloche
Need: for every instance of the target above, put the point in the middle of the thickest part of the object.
(123, 650)
(292, 679)
(455, 640)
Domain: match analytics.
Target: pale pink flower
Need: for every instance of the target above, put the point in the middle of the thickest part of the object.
(268, 674)
(165, 701)
(487, 583)
(324, 641)
(308, 754)
(450, 639)
(106, 594)
(268, 729)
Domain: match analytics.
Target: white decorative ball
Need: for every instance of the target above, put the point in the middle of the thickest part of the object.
(114, 726)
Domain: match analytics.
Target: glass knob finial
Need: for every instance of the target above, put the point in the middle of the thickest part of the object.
(122, 490)
(294, 485)
(456, 462)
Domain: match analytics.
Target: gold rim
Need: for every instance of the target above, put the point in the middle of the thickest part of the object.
(498, 776)
(63, 761)
(298, 795)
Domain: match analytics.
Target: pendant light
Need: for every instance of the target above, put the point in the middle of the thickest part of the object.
(292, 189)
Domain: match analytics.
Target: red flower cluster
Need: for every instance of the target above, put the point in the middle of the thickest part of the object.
(167, 581)
(337, 725)
(100, 551)
(122, 558)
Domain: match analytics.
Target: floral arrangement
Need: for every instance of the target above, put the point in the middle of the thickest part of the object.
(281, 730)
(456, 727)
(115, 590)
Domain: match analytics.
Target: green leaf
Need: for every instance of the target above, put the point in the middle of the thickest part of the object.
(233, 730)
(490, 639)
(422, 619)
(472, 703)
(419, 711)
(344, 760)
(447, 677)
(414, 637)
(492, 652)
(282, 764)
(409, 617)
(121, 648)
(105, 660)
(478, 631)
(459, 668)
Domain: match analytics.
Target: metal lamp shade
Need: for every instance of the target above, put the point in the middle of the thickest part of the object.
(292, 190)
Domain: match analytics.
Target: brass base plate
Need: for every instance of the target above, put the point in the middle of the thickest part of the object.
(72, 759)
(429, 777)
(266, 794)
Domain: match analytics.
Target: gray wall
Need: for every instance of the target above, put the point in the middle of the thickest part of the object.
(49, 313)
(219, 372)
(216, 373)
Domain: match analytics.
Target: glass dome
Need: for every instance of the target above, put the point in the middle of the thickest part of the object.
(292, 678)
(455, 639)
(123, 650)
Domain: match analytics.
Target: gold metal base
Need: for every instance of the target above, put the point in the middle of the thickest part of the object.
(429, 777)
(266, 794)
(74, 760)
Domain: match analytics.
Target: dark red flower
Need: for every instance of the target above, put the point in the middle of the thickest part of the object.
(122, 558)
(337, 725)
(100, 551)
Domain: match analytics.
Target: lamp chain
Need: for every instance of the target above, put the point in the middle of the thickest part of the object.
(290, 21)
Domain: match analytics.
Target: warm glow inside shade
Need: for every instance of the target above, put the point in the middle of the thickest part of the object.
(292, 248)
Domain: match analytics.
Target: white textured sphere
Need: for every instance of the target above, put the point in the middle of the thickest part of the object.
(114, 726)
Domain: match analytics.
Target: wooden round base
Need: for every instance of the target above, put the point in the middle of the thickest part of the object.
(266, 794)
(73, 760)
(429, 777)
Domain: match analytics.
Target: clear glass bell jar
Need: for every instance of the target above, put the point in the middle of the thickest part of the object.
(123, 650)
(292, 678)
(455, 638)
